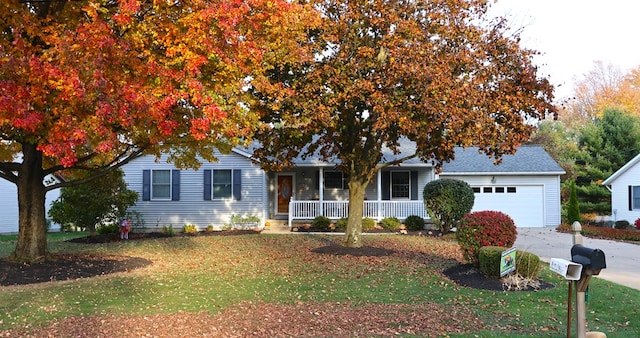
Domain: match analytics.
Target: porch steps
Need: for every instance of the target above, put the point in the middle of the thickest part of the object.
(276, 226)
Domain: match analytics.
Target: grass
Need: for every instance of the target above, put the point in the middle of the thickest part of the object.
(212, 273)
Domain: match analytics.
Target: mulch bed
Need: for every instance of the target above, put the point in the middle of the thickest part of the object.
(64, 267)
(469, 276)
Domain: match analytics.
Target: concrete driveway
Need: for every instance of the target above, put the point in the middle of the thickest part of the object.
(623, 259)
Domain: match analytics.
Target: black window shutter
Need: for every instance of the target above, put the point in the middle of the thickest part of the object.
(175, 185)
(414, 185)
(317, 180)
(386, 189)
(146, 185)
(207, 185)
(630, 198)
(237, 184)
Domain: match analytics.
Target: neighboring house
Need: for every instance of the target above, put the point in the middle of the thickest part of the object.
(624, 185)
(525, 185)
(236, 185)
(9, 203)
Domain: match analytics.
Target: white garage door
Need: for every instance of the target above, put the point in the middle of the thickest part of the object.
(524, 204)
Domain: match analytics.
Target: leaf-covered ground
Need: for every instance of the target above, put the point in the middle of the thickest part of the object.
(269, 286)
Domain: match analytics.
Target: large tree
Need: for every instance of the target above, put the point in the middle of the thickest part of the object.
(603, 87)
(90, 85)
(438, 73)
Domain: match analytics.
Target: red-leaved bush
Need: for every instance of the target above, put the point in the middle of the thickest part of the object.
(637, 223)
(484, 228)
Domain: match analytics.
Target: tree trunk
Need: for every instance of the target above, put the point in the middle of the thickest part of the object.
(32, 235)
(354, 224)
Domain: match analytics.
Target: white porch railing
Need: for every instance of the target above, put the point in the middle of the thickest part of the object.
(308, 210)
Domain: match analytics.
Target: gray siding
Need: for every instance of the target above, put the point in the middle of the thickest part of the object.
(9, 209)
(192, 208)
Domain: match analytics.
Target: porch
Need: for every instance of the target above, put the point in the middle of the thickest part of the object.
(334, 210)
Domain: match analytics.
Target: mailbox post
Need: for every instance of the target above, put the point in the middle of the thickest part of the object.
(592, 261)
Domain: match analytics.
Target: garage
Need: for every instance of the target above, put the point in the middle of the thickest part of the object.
(524, 185)
(524, 204)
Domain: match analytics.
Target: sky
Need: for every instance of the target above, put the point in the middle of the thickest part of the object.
(573, 34)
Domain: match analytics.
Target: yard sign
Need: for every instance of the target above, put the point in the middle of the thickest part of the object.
(508, 261)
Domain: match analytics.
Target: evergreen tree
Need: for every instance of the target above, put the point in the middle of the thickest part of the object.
(606, 145)
(573, 209)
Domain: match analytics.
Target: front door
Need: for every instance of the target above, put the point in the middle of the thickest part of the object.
(284, 193)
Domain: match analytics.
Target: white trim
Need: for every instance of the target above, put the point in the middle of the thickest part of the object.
(621, 171)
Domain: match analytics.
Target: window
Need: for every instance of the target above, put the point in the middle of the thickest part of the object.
(161, 184)
(476, 190)
(487, 190)
(222, 184)
(499, 190)
(511, 190)
(400, 184)
(333, 180)
(635, 197)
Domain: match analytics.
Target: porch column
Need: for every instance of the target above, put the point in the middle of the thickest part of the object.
(321, 191)
(379, 191)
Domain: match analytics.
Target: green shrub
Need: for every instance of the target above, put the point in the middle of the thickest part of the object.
(414, 222)
(368, 224)
(489, 260)
(447, 201)
(484, 228)
(624, 224)
(168, 230)
(321, 222)
(189, 229)
(209, 228)
(528, 264)
(391, 223)
(341, 224)
(108, 229)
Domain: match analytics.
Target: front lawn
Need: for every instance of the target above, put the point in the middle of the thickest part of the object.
(288, 285)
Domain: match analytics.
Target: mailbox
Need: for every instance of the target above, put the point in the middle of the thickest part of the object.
(592, 259)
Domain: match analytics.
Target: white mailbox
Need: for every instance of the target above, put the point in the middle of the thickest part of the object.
(565, 268)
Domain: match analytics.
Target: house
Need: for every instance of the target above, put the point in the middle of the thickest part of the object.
(203, 197)
(624, 185)
(525, 185)
(9, 202)
(236, 185)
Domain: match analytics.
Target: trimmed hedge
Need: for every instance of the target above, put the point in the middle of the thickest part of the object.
(484, 228)
(414, 222)
(390, 223)
(447, 200)
(321, 222)
(527, 264)
(489, 260)
(368, 224)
